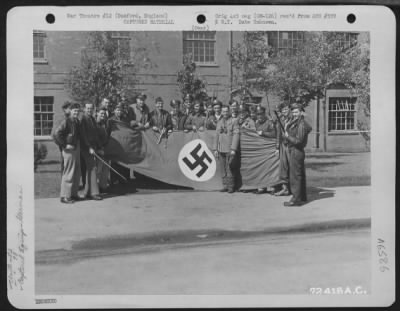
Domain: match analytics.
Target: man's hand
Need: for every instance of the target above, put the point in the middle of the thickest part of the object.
(216, 154)
(259, 133)
(201, 128)
(169, 131)
(286, 134)
(69, 147)
(155, 129)
(194, 128)
(276, 152)
(147, 125)
(91, 151)
(233, 152)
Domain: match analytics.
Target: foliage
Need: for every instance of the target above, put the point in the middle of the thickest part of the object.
(189, 82)
(107, 67)
(39, 153)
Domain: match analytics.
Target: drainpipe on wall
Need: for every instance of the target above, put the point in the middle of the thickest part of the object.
(324, 123)
(316, 124)
(230, 62)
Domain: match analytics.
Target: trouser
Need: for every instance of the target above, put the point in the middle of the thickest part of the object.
(103, 174)
(61, 160)
(91, 186)
(83, 171)
(297, 174)
(71, 173)
(228, 177)
(284, 163)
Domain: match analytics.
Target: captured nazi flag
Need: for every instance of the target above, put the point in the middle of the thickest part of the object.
(186, 159)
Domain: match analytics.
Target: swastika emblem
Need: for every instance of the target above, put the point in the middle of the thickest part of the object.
(196, 161)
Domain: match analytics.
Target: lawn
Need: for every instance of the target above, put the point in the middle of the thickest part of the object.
(324, 170)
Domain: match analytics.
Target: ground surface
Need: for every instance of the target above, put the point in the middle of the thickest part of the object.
(160, 239)
(289, 264)
(322, 169)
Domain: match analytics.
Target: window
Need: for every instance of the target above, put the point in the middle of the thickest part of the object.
(285, 40)
(341, 114)
(122, 40)
(39, 51)
(43, 115)
(347, 39)
(201, 44)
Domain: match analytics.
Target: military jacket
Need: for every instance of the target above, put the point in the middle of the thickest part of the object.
(226, 135)
(298, 131)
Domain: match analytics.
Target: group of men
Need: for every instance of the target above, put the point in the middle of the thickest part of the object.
(82, 140)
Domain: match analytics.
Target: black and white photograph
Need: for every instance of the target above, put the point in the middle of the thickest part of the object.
(201, 161)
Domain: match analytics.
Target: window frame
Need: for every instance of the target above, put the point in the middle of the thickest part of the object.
(49, 113)
(213, 40)
(40, 60)
(293, 40)
(122, 35)
(345, 100)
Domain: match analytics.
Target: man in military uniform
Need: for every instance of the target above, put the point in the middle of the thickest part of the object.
(90, 144)
(212, 121)
(177, 117)
(197, 120)
(253, 113)
(67, 135)
(296, 135)
(187, 104)
(225, 147)
(138, 114)
(265, 127)
(244, 120)
(234, 109)
(284, 117)
(160, 119)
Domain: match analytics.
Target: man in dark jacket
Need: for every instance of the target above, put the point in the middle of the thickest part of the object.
(160, 119)
(138, 113)
(67, 135)
(67, 111)
(90, 144)
(296, 135)
(197, 120)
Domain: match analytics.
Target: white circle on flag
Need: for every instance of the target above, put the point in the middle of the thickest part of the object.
(196, 161)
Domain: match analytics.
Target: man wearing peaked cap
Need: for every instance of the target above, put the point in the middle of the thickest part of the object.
(187, 104)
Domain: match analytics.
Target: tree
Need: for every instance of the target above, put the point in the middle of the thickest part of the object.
(189, 82)
(107, 67)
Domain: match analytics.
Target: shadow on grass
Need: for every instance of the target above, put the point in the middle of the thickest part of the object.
(322, 167)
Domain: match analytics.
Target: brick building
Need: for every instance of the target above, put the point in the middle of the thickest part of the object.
(334, 124)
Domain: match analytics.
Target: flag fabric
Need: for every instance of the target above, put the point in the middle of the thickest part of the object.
(143, 152)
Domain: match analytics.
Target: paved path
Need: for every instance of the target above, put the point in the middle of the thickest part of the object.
(150, 218)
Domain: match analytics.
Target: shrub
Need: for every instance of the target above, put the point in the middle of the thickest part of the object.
(39, 153)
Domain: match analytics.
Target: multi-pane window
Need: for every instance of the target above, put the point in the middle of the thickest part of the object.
(39, 52)
(341, 114)
(122, 40)
(347, 39)
(43, 115)
(201, 45)
(285, 40)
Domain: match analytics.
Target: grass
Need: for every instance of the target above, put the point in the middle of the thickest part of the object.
(322, 170)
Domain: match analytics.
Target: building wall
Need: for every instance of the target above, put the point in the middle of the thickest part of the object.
(63, 51)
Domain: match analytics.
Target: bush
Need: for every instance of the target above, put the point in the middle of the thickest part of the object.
(39, 153)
